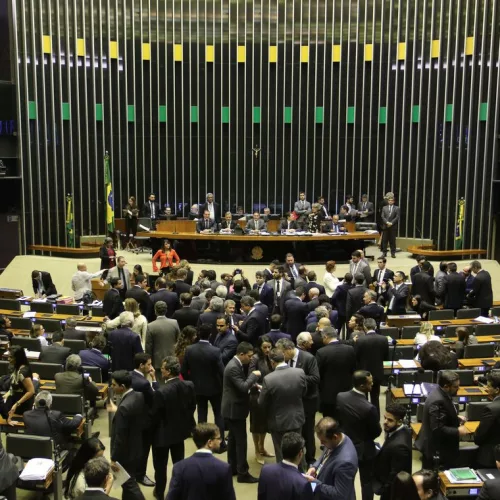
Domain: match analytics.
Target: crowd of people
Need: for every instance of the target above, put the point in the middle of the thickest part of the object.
(277, 350)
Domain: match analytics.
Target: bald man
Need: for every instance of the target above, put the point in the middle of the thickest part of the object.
(80, 282)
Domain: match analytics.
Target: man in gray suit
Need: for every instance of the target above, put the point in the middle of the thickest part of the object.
(302, 207)
(122, 273)
(235, 409)
(365, 209)
(161, 336)
(281, 396)
(256, 225)
(358, 265)
(280, 287)
(390, 219)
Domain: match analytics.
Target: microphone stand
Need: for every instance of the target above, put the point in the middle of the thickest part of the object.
(408, 406)
(390, 379)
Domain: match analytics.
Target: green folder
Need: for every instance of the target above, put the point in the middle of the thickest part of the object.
(463, 474)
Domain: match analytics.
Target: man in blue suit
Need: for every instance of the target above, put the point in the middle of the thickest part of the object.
(284, 480)
(125, 344)
(336, 469)
(266, 293)
(202, 476)
(93, 356)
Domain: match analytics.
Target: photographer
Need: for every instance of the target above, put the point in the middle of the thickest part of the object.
(74, 381)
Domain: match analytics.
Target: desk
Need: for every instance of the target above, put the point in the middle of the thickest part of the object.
(401, 320)
(451, 490)
(450, 341)
(60, 317)
(398, 368)
(475, 364)
(470, 426)
(50, 385)
(465, 394)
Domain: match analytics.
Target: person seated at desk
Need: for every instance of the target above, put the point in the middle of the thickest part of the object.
(70, 331)
(38, 332)
(435, 356)
(73, 380)
(290, 225)
(266, 215)
(421, 307)
(42, 421)
(166, 255)
(256, 225)
(5, 324)
(75, 484)
(334, 226)
(55, 353)
(93, 356)
(227, 225)
(465, 338)
(347, 214)
(206, 224)
(194, 212)
(168, 215)
(425, 334)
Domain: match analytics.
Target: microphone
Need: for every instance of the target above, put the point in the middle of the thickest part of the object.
(394, 342)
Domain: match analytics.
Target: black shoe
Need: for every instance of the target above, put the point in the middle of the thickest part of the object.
(145, 481)
(222, 448)
(247, 478)
(235, 473)
(393, 255)
(158, 497)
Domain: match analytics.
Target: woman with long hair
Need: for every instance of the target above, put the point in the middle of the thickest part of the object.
(435, 356)
(137, 271)
(166, 255)
(330, 281)
(107, 255)
(355, 324)
(19, 397)
(425, 334)
(131, 214)
(75, 481)
(421, 306)
(186, 338)
(140, 325)
(258, 418)
(404, 487)
(465, 338)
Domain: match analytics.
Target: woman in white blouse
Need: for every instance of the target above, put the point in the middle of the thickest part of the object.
(75, 481)
(425, 334)
(140, 325)
(330, 281)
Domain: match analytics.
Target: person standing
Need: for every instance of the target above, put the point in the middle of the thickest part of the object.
(371, 351)
(139, 293)
(481, 295)
(164, 291)
(339, 299)
(336, 365)
(235, 409)
(125, 343)
(43, 285)
(335, 470)
(173, 420)
(98, 479)
(212, 207)
(453, 292)
(131, 214)
(358, 265)
(225, 340)
(107, 254)
(186, 315)
(168, 258)
(202, 476)
(365, 209)
(81, 281)
(254, 324)
(112, 304)
(396, 294)
(423, 284)
(395, 454)
(355, 296)
(390, 219)
(121, 272)
(126, 440)
(281, 396)
(441, 425)
(203, 365)
(151, 209)
(284, 480)
(360, 421)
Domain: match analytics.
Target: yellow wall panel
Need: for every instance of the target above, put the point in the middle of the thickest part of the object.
(210, 53)
(146, 52)
(80, 47)
(178, 52)
(273, 54)
(369, 52)
(304, 54)
(336, 53)
(469, 46)
(242, 54)
(435, 46)
(113, 50)
(47, 44)
(401, 51)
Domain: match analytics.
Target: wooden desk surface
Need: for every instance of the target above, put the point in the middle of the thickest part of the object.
(472, 362)
(398, 392)
(359, 235)
(450, 341)
(470, 426)
(446, 485)
(59, 317)
(398, 366)
(19, 423)
(50, 385)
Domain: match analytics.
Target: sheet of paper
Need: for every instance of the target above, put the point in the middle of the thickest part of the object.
(407, 363)
(121, 476)
(29, 314)
(484, 319)
(37, 469)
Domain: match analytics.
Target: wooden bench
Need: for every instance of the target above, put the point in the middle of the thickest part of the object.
(430, 251)
(65, 250)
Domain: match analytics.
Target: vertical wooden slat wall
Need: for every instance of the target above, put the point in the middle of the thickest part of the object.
(255, 100)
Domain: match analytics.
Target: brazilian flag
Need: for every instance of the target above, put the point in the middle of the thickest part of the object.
(110, 212)
(459, 228)
(70, 222)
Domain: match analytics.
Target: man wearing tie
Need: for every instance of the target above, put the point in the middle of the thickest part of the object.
(396, 294)
(256, 225)
(212, 207)
(334, 226)
(381, 275)
(390, 219)
(290, 224)
(323, 208)
(151, 208)
(365, 209)
(206, 224)
(302, 207)
(291, 267)
(280, 288)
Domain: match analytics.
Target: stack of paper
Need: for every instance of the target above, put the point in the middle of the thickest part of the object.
(484, 319)
(65, 299)
(407, 363)
(37, 469)
(462, 475)
(29, 314)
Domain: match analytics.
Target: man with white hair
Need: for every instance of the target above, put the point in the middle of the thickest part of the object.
(304, 341)
(212, 207)
(125, 344)
(221, 291)
(215, 310)
(71, 381)
(80, 282)
(42, 421)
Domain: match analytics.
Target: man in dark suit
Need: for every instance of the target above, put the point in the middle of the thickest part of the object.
(366, 210)
(112, 304)
(214, 310)
(55, 353)
(441, 425)
(491, 487)
(125, 343)
(70, 331)
(289, 224)
(186, 315)
(42, 421)
(227, 225)
(395, 454)
(453, 295)
(423, 284)
(164, 292)
(275, 333)
(355, 296)
(416, 269)
(255, 224)
(126, 438)
(284, 480)
(296, 311)
(254, 324)
(180, 283)
(144, 381)
(291, 268)
(205, 224)
(335, 470)
(235, 409)
(381, 275)
(99, 480)
(139, 293)
(93, 356)
(202, 365)
(339, 299)
(266, 293)
(396, 294)
(481, 295)
(202, 476)
(372, 350)
(390, 220)
(487, 435)
(151, 208)
(371, 309)
(336, 364)
(311, 276)
(43, 285)
(211, 207)
(297, 358)
(225, 340)
(258, 305)
(280, 287)
(173, 420)
(281, 397)
(360, 421)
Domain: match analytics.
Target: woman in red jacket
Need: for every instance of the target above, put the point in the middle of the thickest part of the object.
(166, 255)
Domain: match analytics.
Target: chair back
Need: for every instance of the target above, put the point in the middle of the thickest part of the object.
(492, 329)
(408, 377)
(10, 304)
(479, 351)
(409, 332)
(475, 409)
(47, 371)
(495, 311)
(468, 313)
(75, 345)
(94, 372)
(27, 343)
(50, 325)
(4, 368)
(402, 352)
(27, 446)
(21, 323)
(441, 314)
(69, 404)
(466, 377)
(42, 307)
(420, 412)
(451, 330)
(73, 309)
(97, 311)
(390, 331)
